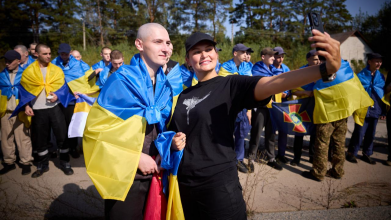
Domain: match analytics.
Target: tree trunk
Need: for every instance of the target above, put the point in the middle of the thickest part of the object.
(100, 25)
(214, 18)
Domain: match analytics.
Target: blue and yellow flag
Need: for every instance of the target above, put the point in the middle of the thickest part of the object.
(261, 69)
(100, 64)
(293, 117)
(189, 78)
(79, 117)
(115, 128)
(341, 98)
(7, 90)
(32, 84)
(30, 60)
(103, 75)
(75, 75)
(229, 68)
(374, 85)
(170, 162)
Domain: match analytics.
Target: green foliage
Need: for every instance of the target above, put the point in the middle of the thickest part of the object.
(349, 204)
(357, 65)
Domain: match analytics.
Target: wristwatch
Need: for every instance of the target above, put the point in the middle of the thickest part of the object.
(325, 76)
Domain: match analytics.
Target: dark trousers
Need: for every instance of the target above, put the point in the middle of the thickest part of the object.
(388, 134)
(366, 132)
(239, 142)
(282, 142)
(133, 206)
(298, 147)
(70, 143)
(259, 119)
(43, 121)
(223, 201)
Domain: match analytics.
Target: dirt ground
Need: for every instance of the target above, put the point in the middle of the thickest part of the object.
(57, 196)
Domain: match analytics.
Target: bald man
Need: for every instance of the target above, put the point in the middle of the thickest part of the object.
(153, 43)
(25, 59)
(76, 54)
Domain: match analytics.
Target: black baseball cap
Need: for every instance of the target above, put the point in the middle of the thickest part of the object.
(11, 55)
(240, 47)
(250, 50)
(310, 54)
(64, 48)
(197, 37)
(371, 56)
(279, 50)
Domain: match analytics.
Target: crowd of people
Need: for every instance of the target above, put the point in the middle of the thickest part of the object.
(211, 107)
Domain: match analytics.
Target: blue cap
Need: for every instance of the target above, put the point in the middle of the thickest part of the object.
(240, 47)
(64, 48)
(310, 54)
(279, 50)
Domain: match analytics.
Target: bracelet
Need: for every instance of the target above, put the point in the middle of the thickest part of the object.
(323, 73)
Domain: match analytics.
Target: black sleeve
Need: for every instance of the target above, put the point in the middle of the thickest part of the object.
(242, 92)
(91, 76)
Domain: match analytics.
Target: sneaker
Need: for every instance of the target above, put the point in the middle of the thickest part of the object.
(74, 153)
(331, 174)
(66, 168)
(388, 162)
(26, 169)
(274, 165)
(351, 158)
(282, 159)
(40, 170)
(242, 167)
(368, 159)
(250, 166)
(294, 163)
(7, 168)
(308, 175)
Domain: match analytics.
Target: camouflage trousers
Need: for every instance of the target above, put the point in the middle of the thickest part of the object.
(324, 132)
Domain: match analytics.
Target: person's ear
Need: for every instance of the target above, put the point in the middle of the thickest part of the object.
(139, 44)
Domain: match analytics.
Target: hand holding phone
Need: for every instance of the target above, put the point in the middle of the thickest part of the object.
(316, 23)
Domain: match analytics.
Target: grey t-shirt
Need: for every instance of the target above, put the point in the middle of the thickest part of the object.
(40, 102)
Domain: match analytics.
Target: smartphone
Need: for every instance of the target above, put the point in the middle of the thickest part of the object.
(316, 23)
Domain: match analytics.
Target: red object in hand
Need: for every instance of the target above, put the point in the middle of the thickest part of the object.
(156, 206)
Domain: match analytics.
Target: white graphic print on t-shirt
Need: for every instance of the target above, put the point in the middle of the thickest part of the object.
(191, 103)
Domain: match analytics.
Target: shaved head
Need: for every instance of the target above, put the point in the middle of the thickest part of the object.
(76, 54)
(145, 30)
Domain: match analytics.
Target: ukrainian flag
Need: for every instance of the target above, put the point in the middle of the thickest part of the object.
(32, 84)
(76, 76)
(7, 90)
(115, 128)
(341, 98)
(229, 68)
(376, 85)
(100, 64)
(103, 75)
(170, 162)
(79, 117)
(189, 78)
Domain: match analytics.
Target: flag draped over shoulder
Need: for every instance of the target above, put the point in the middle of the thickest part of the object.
(79, 117)
(260, 69)
(376, 85)
(170, 162)
(32, 84)
(115, 128)
(103, 75)
(293, 117)
(7, 90)
(75, 75)
(229, 68)
(189, 78)
(341, 97)
(100, 64)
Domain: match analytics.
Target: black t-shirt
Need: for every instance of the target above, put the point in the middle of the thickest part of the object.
(206, 113)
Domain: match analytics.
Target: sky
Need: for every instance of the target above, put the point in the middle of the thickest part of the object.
(353, 6)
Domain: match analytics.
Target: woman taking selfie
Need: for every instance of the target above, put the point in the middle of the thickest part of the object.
(208, 178)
